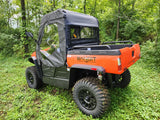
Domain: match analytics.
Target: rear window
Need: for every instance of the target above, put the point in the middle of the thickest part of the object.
(78, 32)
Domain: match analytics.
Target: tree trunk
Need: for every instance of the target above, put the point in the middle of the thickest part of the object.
(26, 50)
(133, 3)
(122, 3)
(94, 10)
(17, 23)
(36, 18)
(84, 6)
(27, 21)
(118, 21)
(158, 25)
(54, 4)
(23, 13)
(39, 17)
(8, 13)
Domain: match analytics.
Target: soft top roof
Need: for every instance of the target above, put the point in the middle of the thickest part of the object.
(71, 18)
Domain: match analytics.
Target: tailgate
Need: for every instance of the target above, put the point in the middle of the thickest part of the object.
(129, 56)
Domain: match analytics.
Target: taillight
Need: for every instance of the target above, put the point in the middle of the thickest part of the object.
(119, 61)
(119, 64)
(94, 69)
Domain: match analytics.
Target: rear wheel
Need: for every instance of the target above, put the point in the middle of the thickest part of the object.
(32, 78)
(124, 79)
(91, 97)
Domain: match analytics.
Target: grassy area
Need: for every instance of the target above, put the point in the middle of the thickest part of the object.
(140, 100)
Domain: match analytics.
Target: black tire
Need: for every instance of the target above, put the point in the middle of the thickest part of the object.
(124, 79)
(32, 78)
(91, 97)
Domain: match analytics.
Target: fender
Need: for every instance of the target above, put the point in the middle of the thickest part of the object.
(74, 72)
(31, 60)
(34, 61)
(89, 67)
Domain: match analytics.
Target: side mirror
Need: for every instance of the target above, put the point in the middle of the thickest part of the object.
(29, 34)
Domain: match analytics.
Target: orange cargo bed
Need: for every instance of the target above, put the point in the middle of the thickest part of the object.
(113, 60)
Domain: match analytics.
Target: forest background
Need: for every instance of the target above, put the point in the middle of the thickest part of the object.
(136, 20)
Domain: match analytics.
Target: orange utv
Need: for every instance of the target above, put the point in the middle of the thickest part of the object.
(79, 61)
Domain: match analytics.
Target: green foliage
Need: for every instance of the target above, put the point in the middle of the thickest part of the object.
(137, 31)
(139, 101)
(139, 21)
(11, 43)
(151, 54)
(133, 24)
(7, 44)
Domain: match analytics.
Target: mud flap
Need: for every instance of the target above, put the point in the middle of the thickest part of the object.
(107, 79)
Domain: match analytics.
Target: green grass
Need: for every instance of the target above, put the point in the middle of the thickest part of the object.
(139, 101)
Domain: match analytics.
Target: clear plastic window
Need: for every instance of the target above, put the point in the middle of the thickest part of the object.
(78, 32)
(50, 36)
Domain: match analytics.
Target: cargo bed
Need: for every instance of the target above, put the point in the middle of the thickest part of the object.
(106, 56)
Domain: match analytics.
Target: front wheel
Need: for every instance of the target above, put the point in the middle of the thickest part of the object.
(32, 78)
(91, 97)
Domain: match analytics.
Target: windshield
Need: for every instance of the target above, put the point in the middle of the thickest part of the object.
(78, 32)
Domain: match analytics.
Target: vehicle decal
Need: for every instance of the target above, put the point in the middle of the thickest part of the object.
(86, 59)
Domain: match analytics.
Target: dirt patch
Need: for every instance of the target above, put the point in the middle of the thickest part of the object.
(37, 100)
(54, 91)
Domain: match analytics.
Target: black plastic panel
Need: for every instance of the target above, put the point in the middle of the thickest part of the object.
(58, 82)
(48, 71)
(58, 77)
(120, 46)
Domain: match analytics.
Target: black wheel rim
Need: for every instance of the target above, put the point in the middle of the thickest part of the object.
(117, 82)
(30, 78)
(87, 99)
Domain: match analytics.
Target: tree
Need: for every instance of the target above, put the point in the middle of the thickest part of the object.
(84, 6)
(118, 21)
(26, 50)
(136, 20)
(158, 24)
(94, 9)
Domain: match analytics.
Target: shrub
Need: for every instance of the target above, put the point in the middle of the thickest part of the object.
(6, 43)
(151, 54)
